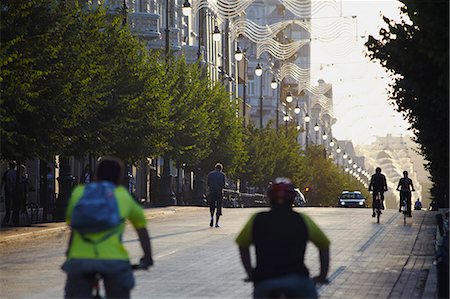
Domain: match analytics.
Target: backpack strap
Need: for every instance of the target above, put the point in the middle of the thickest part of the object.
(108, 235)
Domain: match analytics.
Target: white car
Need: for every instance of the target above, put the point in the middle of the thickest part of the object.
(351, 199)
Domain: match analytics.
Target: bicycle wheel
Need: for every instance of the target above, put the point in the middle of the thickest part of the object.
(405, 210)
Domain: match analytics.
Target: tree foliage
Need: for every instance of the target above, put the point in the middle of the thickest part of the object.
(417, 55)
(272, 154)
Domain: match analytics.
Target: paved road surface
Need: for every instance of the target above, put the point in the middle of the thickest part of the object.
(387, 260)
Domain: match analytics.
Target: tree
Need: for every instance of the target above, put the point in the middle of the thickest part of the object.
(225, 133)
(271, 155)
(75, 81)
(416, 54)
(30, 122)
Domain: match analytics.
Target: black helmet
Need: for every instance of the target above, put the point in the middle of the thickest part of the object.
(281, 192)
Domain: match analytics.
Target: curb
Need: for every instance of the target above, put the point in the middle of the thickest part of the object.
(150, 213)
(430, 291)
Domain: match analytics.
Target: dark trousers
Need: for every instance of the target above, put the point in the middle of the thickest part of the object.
(405, 195)
(215, 202)
(291, 286)
(8, 207)
(81, 274)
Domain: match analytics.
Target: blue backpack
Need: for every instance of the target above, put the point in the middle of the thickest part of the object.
(97, 210)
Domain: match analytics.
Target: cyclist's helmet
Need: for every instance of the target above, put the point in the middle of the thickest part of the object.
(378, 170)
(281, 192)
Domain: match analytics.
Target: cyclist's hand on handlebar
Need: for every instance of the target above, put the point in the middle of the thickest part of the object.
(144, 263)
(319, 279)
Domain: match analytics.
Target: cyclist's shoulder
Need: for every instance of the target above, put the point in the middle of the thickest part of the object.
(122, 193)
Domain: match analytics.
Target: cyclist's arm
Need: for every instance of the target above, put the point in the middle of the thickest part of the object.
(244, 240)
(318, 238)
(371, 184)
(412, 186)
(385, 183)
(399, 184)
(137, 219)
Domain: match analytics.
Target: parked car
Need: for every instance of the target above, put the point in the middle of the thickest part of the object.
(300, 199)
(350, 199)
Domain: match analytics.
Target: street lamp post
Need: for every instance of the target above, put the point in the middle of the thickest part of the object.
(167, 30)
(259, 73)
(239, 55)
(124, 11)
(286, 120)
(316, 129)
(167, 194)
(307, 120)
(274, 85)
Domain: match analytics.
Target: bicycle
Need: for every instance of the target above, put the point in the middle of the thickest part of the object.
(377, 204)
(98, 278)
(404, 210)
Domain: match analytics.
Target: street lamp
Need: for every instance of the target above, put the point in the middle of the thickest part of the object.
(258, 70)
(289, 97)
(186, 9)
(286, 120)
(332, 143)
(238, 55)
(345, 156)
(338, 150)
(324, 136)
(350, 161)
(316, 127)
(297, 109)
(346, 169)
(216, 33)
(307, 118)
(274, 84)
(354, 165)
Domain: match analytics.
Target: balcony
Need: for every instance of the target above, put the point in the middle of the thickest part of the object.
(174, 40)
(145, 25)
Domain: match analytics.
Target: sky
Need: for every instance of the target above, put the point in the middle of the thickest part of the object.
(360, 87)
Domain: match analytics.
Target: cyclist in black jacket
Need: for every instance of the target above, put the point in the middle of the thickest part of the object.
(378, 185)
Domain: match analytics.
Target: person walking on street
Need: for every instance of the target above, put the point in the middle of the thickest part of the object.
(378, 186)
(405, 186)
(9, 183)
(97, 214)
(216, 184)
(280, 237)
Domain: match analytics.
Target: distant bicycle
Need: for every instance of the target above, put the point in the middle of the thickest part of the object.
(404, 210)
(377, 204)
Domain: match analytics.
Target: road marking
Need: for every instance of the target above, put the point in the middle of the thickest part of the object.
(377, 233)
(164, 254)
(333, 276)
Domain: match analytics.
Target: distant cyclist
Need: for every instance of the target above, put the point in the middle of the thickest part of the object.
(405, 186)
(97, 214)
(280, 237)
(377, 185)
(418, 205)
